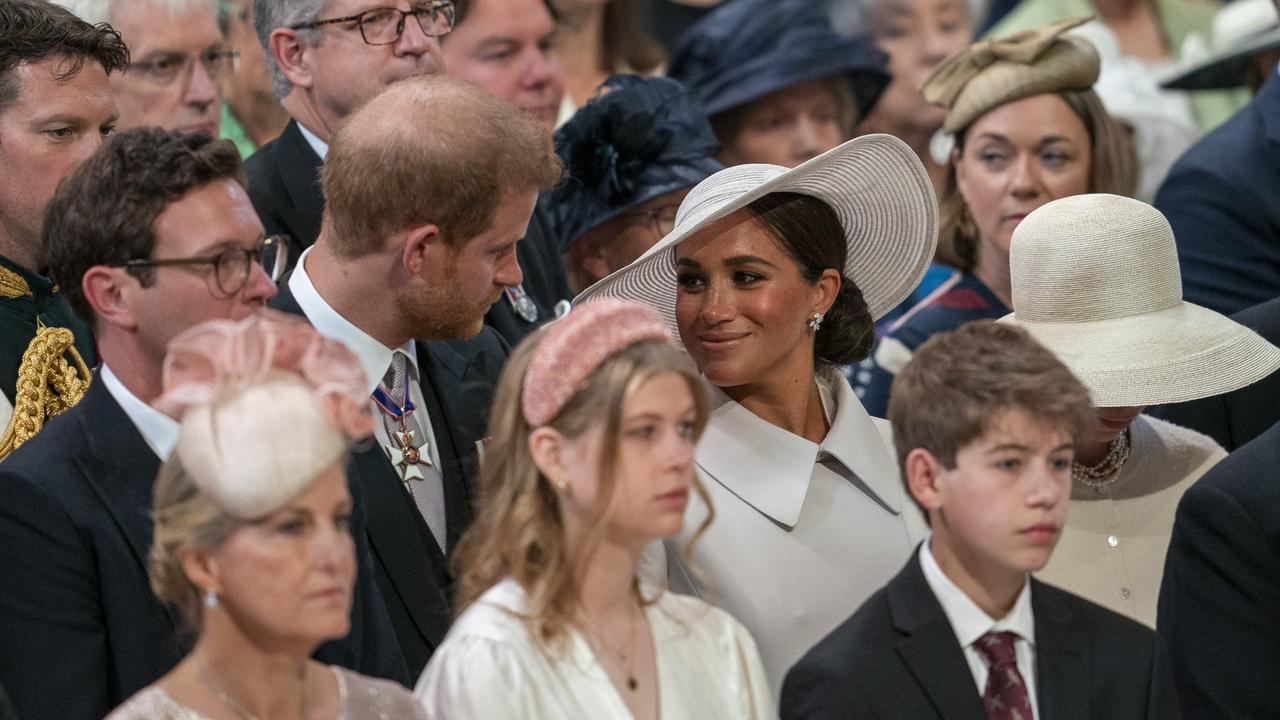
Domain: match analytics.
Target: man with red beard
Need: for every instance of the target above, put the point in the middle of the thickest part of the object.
(417, 242)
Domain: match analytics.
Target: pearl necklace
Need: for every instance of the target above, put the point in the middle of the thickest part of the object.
(1104, 473)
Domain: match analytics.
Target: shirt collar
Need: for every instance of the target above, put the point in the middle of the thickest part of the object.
(374, 357)
(769, 468)
(321, 147)
(969, 621)
(158, 430)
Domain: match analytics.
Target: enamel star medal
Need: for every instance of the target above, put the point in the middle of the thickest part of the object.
(522, 303)
(405, 453)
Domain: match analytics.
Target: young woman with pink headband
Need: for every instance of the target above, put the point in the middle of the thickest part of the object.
(594, 425)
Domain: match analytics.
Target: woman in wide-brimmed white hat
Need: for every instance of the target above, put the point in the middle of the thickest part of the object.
(1095, 279)
(773, 278)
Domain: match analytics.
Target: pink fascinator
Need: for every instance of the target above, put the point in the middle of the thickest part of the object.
(265, 405)
(576, 345)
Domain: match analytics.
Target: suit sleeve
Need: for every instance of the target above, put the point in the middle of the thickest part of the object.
(817, 689)
(1224, 247)
(53, 639)
(1218, 606)
(1163, 701)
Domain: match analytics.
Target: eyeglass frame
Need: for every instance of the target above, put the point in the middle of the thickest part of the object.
(187, 70)
(653, 216)
(433, 7)
(251, 258)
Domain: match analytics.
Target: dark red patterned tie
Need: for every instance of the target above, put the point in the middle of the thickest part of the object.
(1006, 694)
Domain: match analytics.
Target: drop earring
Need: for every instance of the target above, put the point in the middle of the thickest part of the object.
(816, 322)
(210, 599)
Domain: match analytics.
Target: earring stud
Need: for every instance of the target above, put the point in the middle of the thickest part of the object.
(210, 599)
(816, 322)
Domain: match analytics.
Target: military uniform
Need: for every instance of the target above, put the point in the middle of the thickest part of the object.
(43, 346)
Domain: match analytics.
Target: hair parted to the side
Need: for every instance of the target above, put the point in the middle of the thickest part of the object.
(518, 532)
(1112, 169)
(384, 174)
(727, 124)
(958, 382)
(809, 231)
(32, 30)
(183, 518)
(103, 212)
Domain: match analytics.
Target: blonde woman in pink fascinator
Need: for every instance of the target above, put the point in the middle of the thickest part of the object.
(253, 540)
(594, 426)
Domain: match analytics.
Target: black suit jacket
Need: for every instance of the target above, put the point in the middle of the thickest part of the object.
(1237, 417)
(1220, 198)
(284, 185)
(898, 657)
(1219, 610)
(81, 630)
(457, 380)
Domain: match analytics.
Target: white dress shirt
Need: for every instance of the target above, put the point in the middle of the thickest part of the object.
(158, 430)
(374, 357)
(803, 532)
(490, 666)
(321, 147)
(970, 623)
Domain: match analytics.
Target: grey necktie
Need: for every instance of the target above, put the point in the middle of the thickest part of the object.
(410, 452)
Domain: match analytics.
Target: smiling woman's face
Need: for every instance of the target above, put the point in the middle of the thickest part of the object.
(742, 306)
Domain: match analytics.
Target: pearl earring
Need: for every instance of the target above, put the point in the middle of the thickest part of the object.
(210, 599)
(816, 322)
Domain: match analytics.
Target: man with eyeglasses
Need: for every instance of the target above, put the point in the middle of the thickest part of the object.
(328, 58)
(55, 110)
(179, 61)
(150, 236)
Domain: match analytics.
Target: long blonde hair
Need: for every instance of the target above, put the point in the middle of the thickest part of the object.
(518, 532)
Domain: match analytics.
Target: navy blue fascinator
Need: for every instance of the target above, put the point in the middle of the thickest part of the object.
(747, 49)
(638, 139)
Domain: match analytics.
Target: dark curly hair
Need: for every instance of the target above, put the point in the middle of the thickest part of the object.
(103, 212)
(31, 30)
(810, 232)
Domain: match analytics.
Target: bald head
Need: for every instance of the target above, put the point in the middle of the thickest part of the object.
(429, 149)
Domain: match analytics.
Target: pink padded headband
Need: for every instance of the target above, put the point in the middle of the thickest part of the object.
(579, 343)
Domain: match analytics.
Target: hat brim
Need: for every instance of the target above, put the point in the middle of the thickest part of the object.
(1226, 69)
(1182, 353)
(875, 184)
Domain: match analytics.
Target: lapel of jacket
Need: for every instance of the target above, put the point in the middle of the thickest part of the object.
(299, 168)
(1062, 658)
(929, 646)
(444, 380)
(121, 469)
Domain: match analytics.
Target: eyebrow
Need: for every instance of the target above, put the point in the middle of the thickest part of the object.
(1023, 448)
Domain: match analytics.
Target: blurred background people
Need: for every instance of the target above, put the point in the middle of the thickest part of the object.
(1095, 280)
(591, 461)
(253, 535)
(55, 110)
(1220, 198)
(251, 114)
(779, 85)
(1027, 128)
(632, 154)
(178, 61)
(668, 19)
(599, 38)
(506, 47)
(773, 278)
(1241, 49)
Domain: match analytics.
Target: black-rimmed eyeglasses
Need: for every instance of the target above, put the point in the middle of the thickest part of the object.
(384, 26)
(232, 266)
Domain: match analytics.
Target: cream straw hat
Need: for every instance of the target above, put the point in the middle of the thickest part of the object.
(874, 183)
(1095, 279)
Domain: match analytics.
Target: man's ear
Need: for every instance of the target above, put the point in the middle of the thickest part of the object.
(421, 247)
(111, 292)
(923, 472)
(288, 49)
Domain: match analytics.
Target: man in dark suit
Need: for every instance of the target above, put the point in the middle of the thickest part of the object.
(1220, 198)
(984, 419)
(415, 250)
(152, 235)
(1237, 417)
(322, 72)
(1219, 609)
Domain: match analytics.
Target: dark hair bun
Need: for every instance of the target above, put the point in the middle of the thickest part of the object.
(847, 329)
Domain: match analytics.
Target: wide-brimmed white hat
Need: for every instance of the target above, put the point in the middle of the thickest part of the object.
(877, 188)
(1096, 280)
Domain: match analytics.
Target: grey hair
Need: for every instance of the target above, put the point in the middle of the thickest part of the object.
(269, 15)
(99, 11)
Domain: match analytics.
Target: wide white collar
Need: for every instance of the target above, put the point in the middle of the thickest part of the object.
(770, 468)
